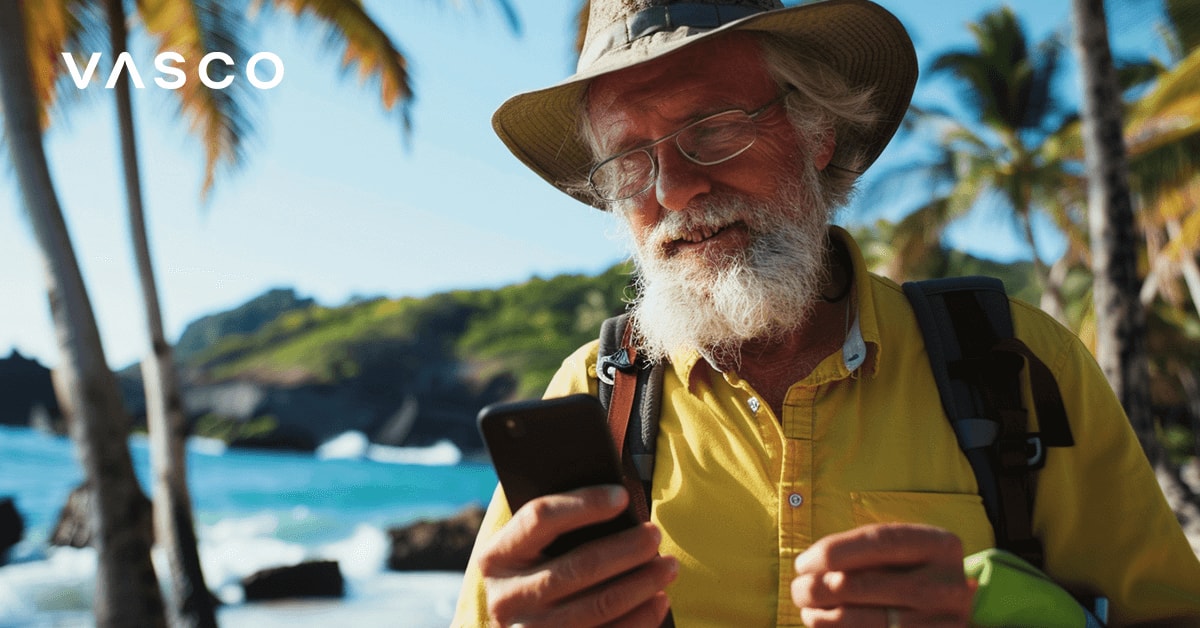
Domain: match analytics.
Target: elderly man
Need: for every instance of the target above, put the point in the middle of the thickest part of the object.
(805, 472)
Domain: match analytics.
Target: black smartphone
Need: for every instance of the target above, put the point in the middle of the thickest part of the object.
(545, 446)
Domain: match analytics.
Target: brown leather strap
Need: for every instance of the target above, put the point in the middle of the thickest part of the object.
(620, 408)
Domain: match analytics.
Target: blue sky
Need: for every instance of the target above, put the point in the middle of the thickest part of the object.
(331, 200)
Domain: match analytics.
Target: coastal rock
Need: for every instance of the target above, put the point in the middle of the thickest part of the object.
(12, 527)
(307, 579)
(73, 528)
(443, 545)
(27, 394)
(387, 406)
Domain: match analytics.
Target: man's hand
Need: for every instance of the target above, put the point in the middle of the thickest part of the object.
(884, 575)
(617, 580)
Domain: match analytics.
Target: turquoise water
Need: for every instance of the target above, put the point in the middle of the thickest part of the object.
(39, 470)
(253, 510)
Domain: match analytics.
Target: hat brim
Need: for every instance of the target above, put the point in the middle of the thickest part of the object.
(861, 41)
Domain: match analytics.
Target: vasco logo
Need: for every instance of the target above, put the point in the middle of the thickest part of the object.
(163, 62)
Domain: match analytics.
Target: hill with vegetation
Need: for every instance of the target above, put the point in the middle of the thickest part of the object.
(520, 332)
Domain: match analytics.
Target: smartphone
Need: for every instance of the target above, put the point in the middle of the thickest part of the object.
(545, 446)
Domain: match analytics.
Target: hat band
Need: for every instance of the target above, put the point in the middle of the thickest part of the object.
(661, 18)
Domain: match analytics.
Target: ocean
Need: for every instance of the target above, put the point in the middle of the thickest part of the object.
(253, 510)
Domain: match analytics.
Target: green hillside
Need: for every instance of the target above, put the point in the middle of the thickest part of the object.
(521, 331)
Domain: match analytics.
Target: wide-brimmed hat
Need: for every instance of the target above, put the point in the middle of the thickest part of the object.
(861, 41)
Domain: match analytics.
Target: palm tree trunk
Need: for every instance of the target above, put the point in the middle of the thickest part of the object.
(189, 603)
(127, 592)
(1051, 300)
(1120, 318)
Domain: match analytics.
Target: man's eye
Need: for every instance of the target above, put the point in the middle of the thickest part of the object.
(626, 163)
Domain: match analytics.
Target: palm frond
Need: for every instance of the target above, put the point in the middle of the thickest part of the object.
(193, 28)
(366, 47)
(1184, 19)
(53, 27)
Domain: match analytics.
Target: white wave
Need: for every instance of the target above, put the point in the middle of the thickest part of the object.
(442, 452)
(62, 582)
(352, 445)
(206, 446)
(58, 592)
(361, 556)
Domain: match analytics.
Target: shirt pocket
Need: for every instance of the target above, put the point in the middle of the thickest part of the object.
(960, 513)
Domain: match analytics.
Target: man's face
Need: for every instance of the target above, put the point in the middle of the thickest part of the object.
(728, 252)
(636, 106)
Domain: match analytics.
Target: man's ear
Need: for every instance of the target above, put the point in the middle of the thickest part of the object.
(825, 154)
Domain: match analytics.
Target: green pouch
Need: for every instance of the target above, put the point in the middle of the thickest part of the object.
(1013, 593)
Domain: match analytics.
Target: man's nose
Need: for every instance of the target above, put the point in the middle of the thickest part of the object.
(680, 180)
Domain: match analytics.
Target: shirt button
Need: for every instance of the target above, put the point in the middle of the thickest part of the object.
(795, 499)
(754, 405)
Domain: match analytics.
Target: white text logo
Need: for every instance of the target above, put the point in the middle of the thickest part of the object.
(171, 77)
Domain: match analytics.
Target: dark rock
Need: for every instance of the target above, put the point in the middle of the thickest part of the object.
(443, 545)
(74, 528)
(308, 579)
(26, 391)
(310, 414)
(283, 437)
(12, 527)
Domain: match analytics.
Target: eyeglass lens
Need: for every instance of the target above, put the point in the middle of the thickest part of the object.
(706, 142)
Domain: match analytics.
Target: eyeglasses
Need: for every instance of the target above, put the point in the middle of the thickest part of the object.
(709, 141)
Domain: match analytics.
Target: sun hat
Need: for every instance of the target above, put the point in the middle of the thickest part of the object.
(864, 43)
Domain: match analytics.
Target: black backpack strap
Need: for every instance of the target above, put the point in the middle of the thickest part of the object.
(976, 361)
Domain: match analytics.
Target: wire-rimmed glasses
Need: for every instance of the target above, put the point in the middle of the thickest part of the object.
(711, 140)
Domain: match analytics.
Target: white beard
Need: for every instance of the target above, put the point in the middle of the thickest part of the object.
(759, 293)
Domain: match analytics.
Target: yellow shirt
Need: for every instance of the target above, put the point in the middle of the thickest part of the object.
(739, 492)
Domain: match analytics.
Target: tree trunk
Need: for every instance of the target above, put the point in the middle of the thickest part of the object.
(127, 592)
(1052, 293)
(1120, 318)
(189, 604)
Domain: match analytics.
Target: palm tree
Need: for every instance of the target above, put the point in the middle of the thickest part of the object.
(1011, 155)
(127, 591)
(193, 28)
(1163, 136)
(1120, 318)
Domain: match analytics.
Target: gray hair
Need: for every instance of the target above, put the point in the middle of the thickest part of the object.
(822, 105)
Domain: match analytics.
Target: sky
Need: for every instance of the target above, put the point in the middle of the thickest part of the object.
(334, 201)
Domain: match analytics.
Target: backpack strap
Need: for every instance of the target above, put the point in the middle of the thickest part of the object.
(976, 361)
(630, 389)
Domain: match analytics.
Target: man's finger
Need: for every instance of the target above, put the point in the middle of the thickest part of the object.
(619, 598)
(881, 545)
(596, 562)
(536, 524)
(935, 589)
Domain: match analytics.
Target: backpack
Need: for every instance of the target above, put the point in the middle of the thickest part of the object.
(976, 362)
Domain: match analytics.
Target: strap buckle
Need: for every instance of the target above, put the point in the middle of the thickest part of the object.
(1020, 454)
(608, 365)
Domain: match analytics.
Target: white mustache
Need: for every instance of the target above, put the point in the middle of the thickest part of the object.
(694, 225)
